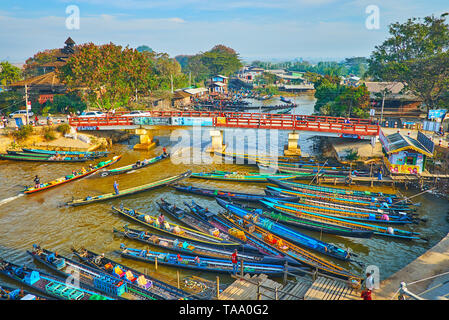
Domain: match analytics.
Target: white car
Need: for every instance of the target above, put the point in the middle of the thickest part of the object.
(137, 113)
(87, 114)
(21, 112)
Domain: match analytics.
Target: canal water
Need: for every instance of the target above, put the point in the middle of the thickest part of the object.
(43, 218)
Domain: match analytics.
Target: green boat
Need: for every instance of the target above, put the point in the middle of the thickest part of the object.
(247, 177)
(132, 167)
(42, 159)
(130, 191)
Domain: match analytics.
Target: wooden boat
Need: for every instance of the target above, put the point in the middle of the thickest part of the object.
(192, 221)
(351, 213)
(10, 293)
(90, 154)
(53, 286)
(377, 230)
(225, 194)
(130, 191)
(132, 167)
(222, 224)
(287, 233)
(95, 279)
(174, 229)
(301, 165)
(204, 264)
(333, 198)
(38, 158)
(334, 190)
(190, 248)
(330, 172)
(243, 158)
(154, 286)
(307, 222)
(242, 177)
(291, 250)
(79, 174)
(350, 194)
(283, 99)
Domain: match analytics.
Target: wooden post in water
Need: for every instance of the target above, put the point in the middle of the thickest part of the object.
(218, 287)
(177, 278)
(276, 293)
(241, 268)
(285, 272)
(155, 263)
(258, 289)
(371, 174)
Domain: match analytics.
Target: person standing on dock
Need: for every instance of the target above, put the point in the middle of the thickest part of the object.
(234, 262)
(116, 187)
(369, 286)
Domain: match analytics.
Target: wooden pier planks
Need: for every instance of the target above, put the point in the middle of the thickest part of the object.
(328, 289)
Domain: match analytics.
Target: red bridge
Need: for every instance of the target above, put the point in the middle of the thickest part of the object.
(335, 126)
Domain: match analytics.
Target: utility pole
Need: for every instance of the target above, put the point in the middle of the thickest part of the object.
(382, 110)
(26, 102)
(190, 78)
(136, 94)
(171, 82)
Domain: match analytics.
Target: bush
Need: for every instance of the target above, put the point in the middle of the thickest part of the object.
(24, 132)
(49, 134)
(352, 154)
(64, 128)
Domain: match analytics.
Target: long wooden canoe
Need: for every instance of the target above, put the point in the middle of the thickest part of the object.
(90, 154)
(378, 230)
(42, 159)
(11, 294)
(130, 191)
(287, 233)
(79, 174)
(174, 229)
(154, 286)
(54, 286)
(132, 167)
(240, 177)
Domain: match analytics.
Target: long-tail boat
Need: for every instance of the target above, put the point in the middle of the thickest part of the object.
(154, 286)
(53, 286)
(10, 293)
(245, 158)
(287, 233)
(216, 193)
(334, 198)
(174, 229)
(192, 221)
(38, 158)
(378, 230)
(245, 177)
(350, 213)
(351, 194)
(191, 248)
(200, 264)
(222, 224)
(89, 154)
(130, 191)
(132, 167)
(289, 249)
(93, 278)
(74, 176)
(310, 223)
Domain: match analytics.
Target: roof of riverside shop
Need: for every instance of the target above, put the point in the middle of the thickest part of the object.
(397, 142)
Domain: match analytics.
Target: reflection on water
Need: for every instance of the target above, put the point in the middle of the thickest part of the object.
(42, 218)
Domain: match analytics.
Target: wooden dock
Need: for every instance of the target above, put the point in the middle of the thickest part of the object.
(328, 289)
(259, 287)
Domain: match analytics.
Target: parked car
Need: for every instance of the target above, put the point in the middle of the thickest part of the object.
(92, 114)
(138, 113)
(21, 112)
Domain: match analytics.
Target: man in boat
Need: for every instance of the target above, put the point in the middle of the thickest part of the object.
(197, 260)
(164, 151)
(234, 262)
(116, 187)
(37, 182)
(161, 218)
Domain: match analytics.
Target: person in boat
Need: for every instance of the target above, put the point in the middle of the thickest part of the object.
(197, 260)
(161, 218)
(179, 258)
(138, 163)
(37, 182)
(91, 167)
(116, 187)
(234, 262)
(385, 217)
(164, 151)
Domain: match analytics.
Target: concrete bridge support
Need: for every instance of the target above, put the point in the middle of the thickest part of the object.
(146, 140)
(217, 141)
(292, 148)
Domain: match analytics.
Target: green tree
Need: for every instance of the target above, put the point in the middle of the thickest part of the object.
(417, 55)
(108, 75)
(9, 73)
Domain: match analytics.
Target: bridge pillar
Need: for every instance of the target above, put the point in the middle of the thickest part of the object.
(217, 141)
(145, 140)
(292, 148)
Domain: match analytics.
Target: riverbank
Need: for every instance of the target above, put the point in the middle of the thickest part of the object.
(432, 263)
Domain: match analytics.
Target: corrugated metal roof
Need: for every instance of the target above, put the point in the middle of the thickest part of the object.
(397, 142)
(195, 90)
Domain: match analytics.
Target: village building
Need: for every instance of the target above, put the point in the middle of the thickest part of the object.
(218, 84)
(406, 155)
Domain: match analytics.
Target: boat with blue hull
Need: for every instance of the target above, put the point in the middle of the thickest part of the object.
(377, 230)
(287, 233)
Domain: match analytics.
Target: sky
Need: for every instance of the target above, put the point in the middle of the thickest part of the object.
(266, 30)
